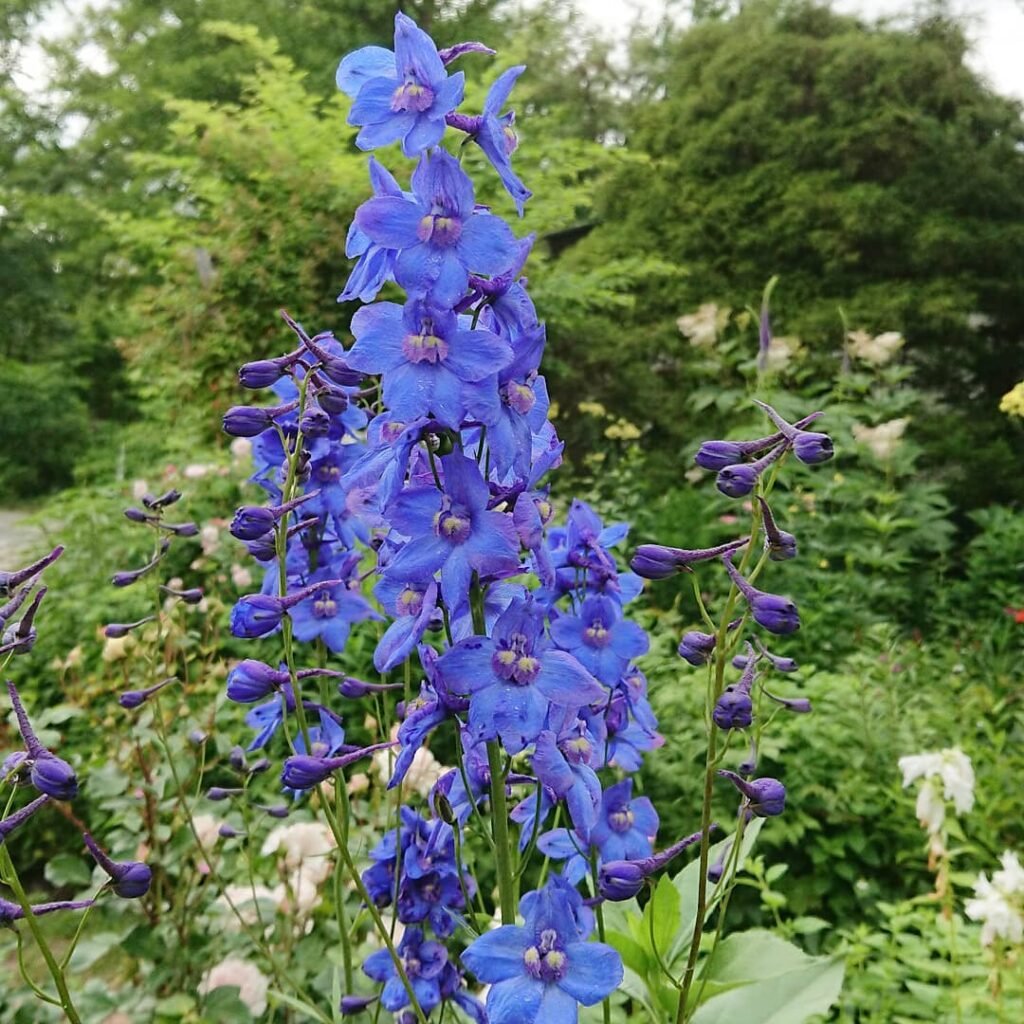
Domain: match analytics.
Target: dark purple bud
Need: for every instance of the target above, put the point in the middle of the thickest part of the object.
(809, 447)
(128, 577)
(450, 53)
(256, 615)
(812, 449)
(332, 367)
(657, 562)
(262, 373)
(197, 737)
(12, 821)
(116, 630)
(132, 699)
(10, 609)
(12, 911)
(776, 614)
(22, 637)
(356, 1004)
(697, 648)
(236, 758)
(54, 776)
(136, 515)
(227, 832)
(716, 455)
(181, 529)
(315, 422)
(781, 545)
(354, 688)
(779, 663)
(798, 705)
(734, 709)
(251, 420)
(218, 793)
(260, 766)
(739, 480)
(165, 499)
(131, 879)
(277, 811)
(303, 771)
(332, 400)
(251, 681)
(10, 581)
(620, 880)
(765, 797)
(251, 522)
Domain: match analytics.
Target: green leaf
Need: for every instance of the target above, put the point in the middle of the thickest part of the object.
(67, 869)
(222, 1006)
(634, 956)
(175, 1006)
(785, 999)
(662, 916)
(754, 955)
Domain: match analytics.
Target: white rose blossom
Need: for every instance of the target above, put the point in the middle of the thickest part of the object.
(251, 983)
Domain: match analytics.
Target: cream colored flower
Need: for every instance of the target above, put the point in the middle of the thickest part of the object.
(207, 829)
(307, 847)
(241, 576)
(233, 972)
(241, 449)
(953, 768)
(781, 352)
(1012, 403)
(251, 904)
(209, 538)
(878, 350)
(884, 439)
(702, 327)
(994, 907)
(117, 648)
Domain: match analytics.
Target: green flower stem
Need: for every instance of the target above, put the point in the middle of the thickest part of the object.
(499, 833)
(12, 879)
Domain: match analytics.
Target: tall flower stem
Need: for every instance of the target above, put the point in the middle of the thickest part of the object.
(12, 879)
(499, 832)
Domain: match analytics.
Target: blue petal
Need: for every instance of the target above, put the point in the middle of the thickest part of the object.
(551, 767)
(451, 280)
(446, 397)
(516, 1001)
(373, 104)
(474, 355)
(584, 800)
(467, 668)
(390, 221)
(413, 511)
(519, 717)
(416, 53)
(487, 244)
(423, 134)
(563, 680)
(417, 267)
(645, 817)
(379, 966)
(500, 89)
(567, 632)
(361, 65)
(455, 577)
(394, 996)
(419, 560)
(595, 971)
(557, 1007)
(379, 333)
(449, 96)
(383, 133)
(497, 955)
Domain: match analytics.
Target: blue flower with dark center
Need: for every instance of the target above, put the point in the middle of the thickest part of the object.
(600, 638)
(404, 94)
(423, 961)
(513, 676)
(564, 761)
(329, 612)
(453, 531)
(414, 606)
(440, 236)
(427, 359)
(542, 971)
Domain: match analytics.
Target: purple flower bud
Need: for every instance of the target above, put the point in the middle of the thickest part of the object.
(236, 758)
(10, 581)
(356, 1004)
(262, 373)
(12, 821)
(734, 709)
(798, 705)
(697, 648)
(227, 832)
(781, 545)
(218, 793)
(181, 529)
(765, 797)
(779, 663)
(54, 776)
(739, 480)
(811, 448)
(12, 911)
(131, 878)
(304, 771)
(620, 880)
(716, 455)
(333, 367)
(128, 577)
(251, 681)
(260, 766)
(10, 609)
(256, 615)
(451, 53)
(192, 596)
(776, 614)
(136, 515)
(132, 699)
(657, 562)
(332, 400)
(251, 522)
(165, 499)
(315, 422)
(250, 420)
(21, 638)
(116, 630)
(277, 811)
(197, 737)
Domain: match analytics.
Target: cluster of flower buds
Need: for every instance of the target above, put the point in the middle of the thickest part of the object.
(17, 626)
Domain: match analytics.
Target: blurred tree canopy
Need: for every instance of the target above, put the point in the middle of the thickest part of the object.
(867, 166)
(195, 174)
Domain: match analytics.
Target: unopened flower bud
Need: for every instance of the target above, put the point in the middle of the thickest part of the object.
(136, 515)
(250, 681)
(116, 630)
(54, 776)
(10, 581)
(218, 793)
(236, 758)
(167, 498)
(315, 422)
(620, 880)
(733, 710)
(696, 647)
(131, 879)
(765, 797)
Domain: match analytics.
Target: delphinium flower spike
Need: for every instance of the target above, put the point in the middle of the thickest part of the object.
(10, 581)
(808, 446)
(658, 562)
(739, 480)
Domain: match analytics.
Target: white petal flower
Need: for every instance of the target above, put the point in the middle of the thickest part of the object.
(1000, 919)
(917, 766)
(931, 808)
(1011, 879)
(252, 985)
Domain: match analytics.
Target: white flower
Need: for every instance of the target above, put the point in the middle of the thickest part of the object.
(249, 906)
(139, 489)
(424, 771)
(241, 576)
(702, 327)
(884, 439)
(1011, 879)
(209, 538)
(241, 449)
(931, 808)
(252, 985)
(952, 766)
(307, 846)
(991, 906)
(781, 351)
(876, 351)
(196, 470)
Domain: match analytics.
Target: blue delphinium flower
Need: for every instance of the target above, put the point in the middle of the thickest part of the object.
(328, 613)
(404, 94)
(542, 971)
(423, 960)
(440, 236)
(564, 761)
(427, 357)
(600, 638)
(513, 676)
(453, 531)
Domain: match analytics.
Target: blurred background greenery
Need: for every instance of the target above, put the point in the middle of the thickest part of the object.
(190, 172)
